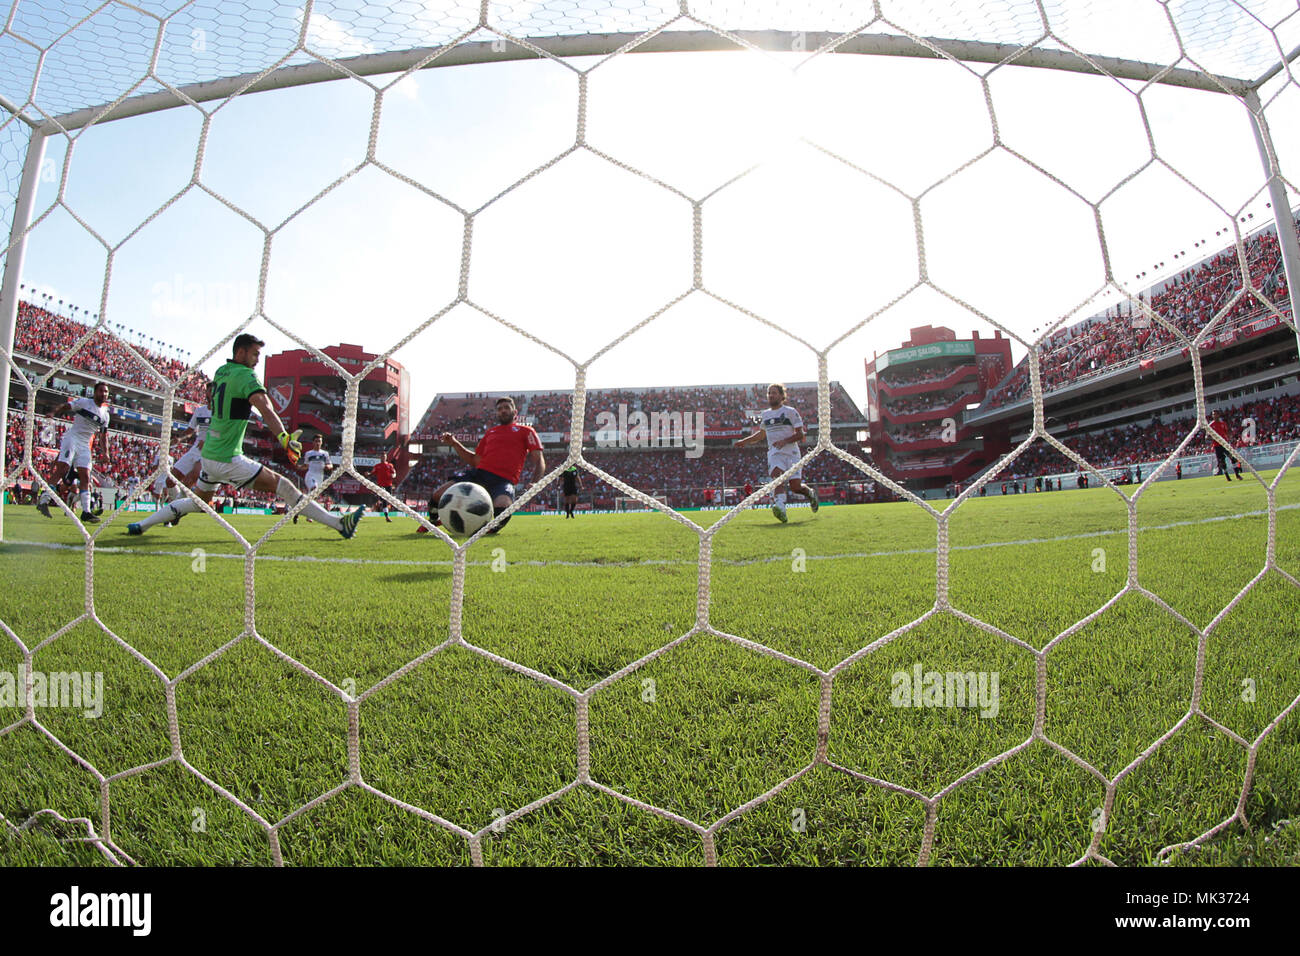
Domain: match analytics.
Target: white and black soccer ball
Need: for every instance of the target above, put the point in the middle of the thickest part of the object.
(464, 508)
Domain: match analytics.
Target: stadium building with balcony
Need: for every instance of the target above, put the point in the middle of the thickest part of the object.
(309, 394)
(917, 396)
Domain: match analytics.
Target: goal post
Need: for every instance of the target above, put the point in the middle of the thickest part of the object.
(20, 216)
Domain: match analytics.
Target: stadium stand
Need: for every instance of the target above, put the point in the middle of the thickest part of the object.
(925, 403)
(459, 414)
(1276, 419)
(128, 456)
(728, 414)
(724, 406)
(1188, 301)
(42, 334)
(654, 471)
(905, 377)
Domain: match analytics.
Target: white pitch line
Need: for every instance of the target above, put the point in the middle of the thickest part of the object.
(651, 562)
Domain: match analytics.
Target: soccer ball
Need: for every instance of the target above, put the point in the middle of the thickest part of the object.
(464, 508)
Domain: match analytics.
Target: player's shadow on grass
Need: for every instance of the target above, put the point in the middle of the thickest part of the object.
(778, 526)
(422, 574)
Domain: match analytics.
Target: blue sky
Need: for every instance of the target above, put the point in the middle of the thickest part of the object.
(584, 251)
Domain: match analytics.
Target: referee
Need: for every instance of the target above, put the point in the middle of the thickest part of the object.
(571, 486)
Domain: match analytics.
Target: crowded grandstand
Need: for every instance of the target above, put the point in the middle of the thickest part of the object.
(1118, 391)
(717, 476)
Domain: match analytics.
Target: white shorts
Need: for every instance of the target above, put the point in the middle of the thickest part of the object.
(73, 454)
(239, 471)
(188, 460)
(782, 458)
(310, 482)
(181, 465)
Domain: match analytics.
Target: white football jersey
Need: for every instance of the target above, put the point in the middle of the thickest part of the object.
(316, 462)
(88, 420)
(780, 424)
(199, 423)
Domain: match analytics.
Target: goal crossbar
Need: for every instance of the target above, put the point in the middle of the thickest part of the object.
(667, 41)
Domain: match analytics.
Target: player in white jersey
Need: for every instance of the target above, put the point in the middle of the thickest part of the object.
(186, 468)
(317, 461)
(784, 429)
(89, 418)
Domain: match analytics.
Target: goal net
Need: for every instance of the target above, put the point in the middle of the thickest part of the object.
(640, 503)
(819, 172)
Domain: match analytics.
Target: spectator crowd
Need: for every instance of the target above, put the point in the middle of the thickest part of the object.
(904, 376)
(1275, 420)
(724, 407)
(653, 471)
(1188, 301)
(931, 402)
(49, 336)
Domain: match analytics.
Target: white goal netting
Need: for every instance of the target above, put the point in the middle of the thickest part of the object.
(68, 68)
(627, 503)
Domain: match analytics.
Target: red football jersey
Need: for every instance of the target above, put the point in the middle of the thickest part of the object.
(504, 448)
(383, 474)
(1222, 428)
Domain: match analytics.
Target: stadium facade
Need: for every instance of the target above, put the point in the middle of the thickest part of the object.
(917, 397)
(309, 394)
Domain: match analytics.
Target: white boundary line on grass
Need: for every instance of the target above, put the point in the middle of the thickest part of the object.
(730, 562)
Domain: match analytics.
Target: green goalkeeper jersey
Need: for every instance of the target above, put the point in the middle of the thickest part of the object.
(232, 387)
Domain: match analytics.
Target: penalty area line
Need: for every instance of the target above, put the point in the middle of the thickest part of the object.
(649, 562)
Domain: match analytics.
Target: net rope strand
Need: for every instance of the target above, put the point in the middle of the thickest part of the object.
(480, 21)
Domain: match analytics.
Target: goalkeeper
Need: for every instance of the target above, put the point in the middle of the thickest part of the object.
(236, 389)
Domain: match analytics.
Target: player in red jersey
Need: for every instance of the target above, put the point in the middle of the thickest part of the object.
(497, 462)
(1220, 453)
(383, 475)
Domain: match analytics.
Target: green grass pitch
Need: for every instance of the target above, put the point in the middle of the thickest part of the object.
(697, 731)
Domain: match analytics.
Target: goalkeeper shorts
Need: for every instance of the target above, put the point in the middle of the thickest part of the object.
(239, 471)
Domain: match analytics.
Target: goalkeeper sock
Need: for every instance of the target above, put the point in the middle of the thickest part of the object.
(780, 498)
(170, 512)
(290, 495)
(84, 498)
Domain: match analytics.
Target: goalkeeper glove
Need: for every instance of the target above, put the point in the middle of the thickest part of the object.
(291, 445)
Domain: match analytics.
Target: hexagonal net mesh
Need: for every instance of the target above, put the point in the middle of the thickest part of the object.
(65, 67)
